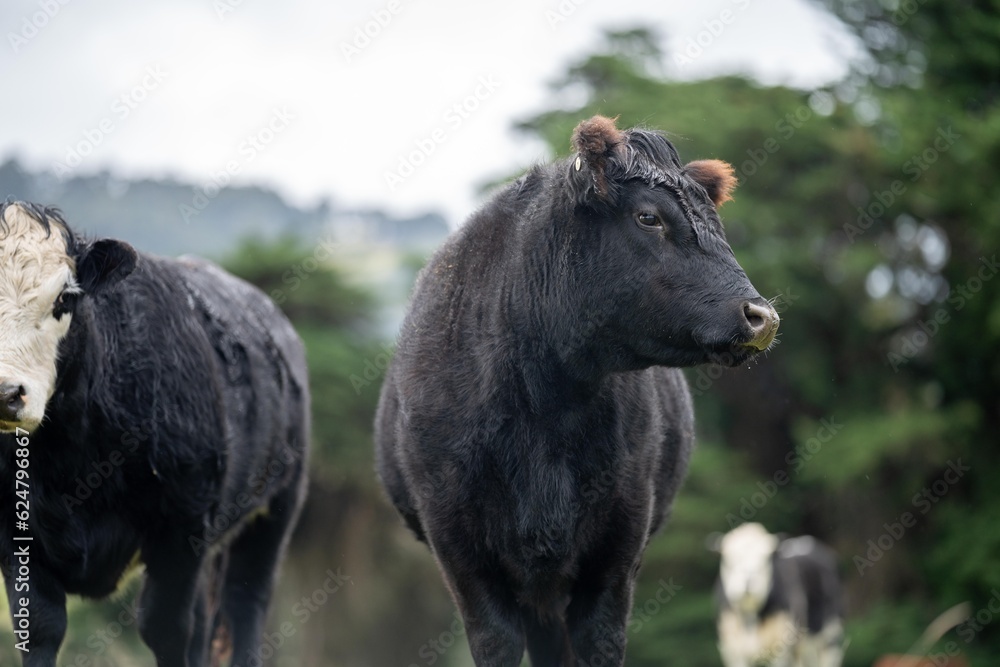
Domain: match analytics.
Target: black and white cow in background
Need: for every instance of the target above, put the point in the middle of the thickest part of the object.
(166, 409)
(780, 601)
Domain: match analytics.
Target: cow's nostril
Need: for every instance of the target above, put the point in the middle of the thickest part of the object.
(763, 321)
(11, 399)
(758, 317)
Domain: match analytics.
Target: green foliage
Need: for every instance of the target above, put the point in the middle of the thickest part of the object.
(304, 282)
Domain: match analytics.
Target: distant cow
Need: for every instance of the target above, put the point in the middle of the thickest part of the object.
(160, 409)
(779, 601)
(533, 427)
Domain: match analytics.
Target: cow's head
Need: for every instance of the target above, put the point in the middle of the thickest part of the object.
(747, 569)
(660, 252)
(45, 271)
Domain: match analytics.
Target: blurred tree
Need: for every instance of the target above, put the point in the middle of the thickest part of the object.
(945, 137)
(347, 527)
(929, 45)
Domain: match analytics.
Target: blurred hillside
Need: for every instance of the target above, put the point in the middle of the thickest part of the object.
(169, 217)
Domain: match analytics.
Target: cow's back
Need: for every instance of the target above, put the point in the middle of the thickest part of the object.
(203, 369)
(259, 369)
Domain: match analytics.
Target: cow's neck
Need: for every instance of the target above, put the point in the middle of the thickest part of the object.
(553, 355)
(74, 349)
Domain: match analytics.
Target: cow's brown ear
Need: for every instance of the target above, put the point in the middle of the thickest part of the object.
(595, 140)
(716, 176)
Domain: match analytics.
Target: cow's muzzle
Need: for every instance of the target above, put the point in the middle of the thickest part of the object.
(763, 321)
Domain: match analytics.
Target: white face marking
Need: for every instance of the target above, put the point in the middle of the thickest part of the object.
(746, 566)
(34, 271)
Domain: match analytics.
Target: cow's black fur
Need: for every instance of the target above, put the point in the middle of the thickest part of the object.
(195, 379)
(528, 429)
(810, 580)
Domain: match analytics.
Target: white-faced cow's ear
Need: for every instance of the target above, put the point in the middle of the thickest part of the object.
(713, 541)
(595, 141)
(103, 264)
(716, 176)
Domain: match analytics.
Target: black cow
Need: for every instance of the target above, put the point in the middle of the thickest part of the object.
(533, 426)
(161, 409)
(780, 601)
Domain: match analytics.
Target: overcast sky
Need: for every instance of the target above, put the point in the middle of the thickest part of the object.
(288, 95)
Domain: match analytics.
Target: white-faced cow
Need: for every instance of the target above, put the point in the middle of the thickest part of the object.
(151, 410)
(779, 601)
(533, 426)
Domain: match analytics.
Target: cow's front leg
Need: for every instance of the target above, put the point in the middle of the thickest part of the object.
(492, 621)
(37, 607)
(490, 613)
(597, 618)
(167, 599)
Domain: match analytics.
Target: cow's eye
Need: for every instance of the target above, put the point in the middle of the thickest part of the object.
(648, 220)
(64, 304)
